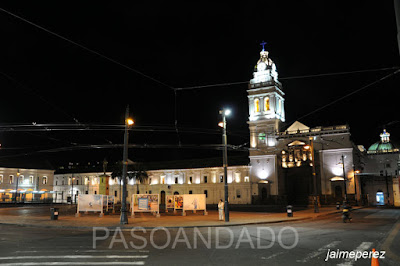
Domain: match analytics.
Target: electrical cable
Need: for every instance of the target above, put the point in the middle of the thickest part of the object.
(86, 48)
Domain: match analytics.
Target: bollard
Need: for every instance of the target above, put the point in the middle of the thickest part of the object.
(289, 210)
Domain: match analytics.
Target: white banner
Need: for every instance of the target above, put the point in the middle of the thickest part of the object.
(90, 203)
(194, 202)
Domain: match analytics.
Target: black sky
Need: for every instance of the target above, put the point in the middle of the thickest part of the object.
(190, 44)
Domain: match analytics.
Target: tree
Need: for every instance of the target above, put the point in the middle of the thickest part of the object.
(136, 171)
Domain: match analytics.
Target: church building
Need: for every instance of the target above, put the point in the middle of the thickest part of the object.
(288, 164)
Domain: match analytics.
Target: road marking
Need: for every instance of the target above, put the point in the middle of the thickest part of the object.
(362, 247)
(107, 250)
(77, 257)
(272, 256)
(74, 263)
(320, 251)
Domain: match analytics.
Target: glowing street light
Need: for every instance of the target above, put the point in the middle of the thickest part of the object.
(128, 122)
(224, 113)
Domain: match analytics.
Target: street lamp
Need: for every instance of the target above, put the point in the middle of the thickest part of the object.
(16, 187)
(356, 172)
(344, 180)
(72, 188)
(224, 113)
(311, 147)
(128, 122)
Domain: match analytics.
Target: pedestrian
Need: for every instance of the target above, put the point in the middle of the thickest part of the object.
(221, 206)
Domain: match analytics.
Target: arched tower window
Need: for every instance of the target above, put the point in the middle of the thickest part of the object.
(266, 104)
(257, 105)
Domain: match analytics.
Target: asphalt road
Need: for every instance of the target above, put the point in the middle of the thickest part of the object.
(305, 242)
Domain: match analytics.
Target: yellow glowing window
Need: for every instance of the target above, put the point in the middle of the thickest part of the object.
(257, 105)
(266, 104)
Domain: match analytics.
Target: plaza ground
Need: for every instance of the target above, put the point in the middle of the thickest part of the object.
(39, 216)
(45, 242)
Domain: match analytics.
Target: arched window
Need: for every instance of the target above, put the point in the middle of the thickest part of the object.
(257, 105)
(266, 104)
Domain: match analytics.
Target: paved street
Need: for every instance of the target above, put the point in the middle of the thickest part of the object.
(272, 244)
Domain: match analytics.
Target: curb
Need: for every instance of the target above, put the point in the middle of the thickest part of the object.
(124, 228)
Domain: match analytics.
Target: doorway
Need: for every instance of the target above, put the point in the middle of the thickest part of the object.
(380, 198)
(338, 193)
(162, 200)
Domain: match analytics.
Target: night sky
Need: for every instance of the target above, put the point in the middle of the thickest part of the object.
(46, 79)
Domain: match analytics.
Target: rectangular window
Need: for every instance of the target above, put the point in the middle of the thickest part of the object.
(190, 180)
(44, 180)
(176, 180)
(11, 179)
(190, 192)
(115, 193)
(1, 179)
(238, 193)
(246, 179)
(31, 179)
(95, 192)
(206, 192)
(205, 179)
(149, 191)
(221, 179)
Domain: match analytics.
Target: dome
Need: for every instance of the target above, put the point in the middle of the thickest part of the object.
(384, 145)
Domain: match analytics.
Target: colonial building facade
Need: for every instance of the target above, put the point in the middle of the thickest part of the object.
(25, 185)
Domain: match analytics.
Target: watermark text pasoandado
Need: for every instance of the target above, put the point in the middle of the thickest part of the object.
(210, 237)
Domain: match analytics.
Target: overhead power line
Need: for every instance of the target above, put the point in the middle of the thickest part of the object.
(349, 94)
(87, 49)
(288, 78)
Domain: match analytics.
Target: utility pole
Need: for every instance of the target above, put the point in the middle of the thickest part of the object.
(128, 122)
(316, 209)
(16, 187)
(224, 113)
(344, 180)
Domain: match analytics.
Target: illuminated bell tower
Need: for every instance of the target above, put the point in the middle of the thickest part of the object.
(266, 105)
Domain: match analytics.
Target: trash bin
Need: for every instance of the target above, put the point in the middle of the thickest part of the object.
(54, 213)
(338, 205)
(289, 210)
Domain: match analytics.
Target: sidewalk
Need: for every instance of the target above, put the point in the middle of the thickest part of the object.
(148, 221)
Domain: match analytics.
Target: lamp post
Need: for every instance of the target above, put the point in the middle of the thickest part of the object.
(16, 187)
(355, 182)
(128, 122)
(344, 180)
(72, 188)
(224, 113)
(316, 209)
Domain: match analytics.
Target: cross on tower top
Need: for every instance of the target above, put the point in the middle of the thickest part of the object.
(263, 44)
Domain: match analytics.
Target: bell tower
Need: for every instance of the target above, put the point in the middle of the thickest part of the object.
(266, 104)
